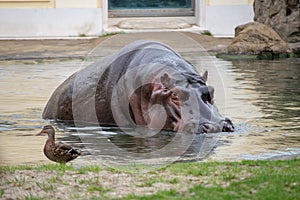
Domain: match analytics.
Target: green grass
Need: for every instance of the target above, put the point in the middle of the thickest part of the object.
(98, 188)
(31, 197)
(81, 35)
(92, 168)
(1, 193)
(211, 180)
(55, 167)
(173, 181)
(45, 186)
(169, 194)
(111, 34)
(16, 181)
(148, 182)
(52, 167)
(260, 186)
(206, 32)
(237, 180)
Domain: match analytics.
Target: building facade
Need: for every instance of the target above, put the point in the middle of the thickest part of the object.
(72, 18)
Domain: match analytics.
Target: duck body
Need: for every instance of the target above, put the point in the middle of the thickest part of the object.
(58, 152)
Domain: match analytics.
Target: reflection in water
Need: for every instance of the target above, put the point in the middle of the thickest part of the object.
(277, 86)
(261, 97)
(116, 146)
(272, 89)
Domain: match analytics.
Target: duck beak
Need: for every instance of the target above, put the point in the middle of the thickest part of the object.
(40, 133)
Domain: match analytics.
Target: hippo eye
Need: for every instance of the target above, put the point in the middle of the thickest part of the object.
(205, 96)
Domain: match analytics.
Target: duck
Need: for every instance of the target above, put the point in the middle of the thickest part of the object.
(57, 151)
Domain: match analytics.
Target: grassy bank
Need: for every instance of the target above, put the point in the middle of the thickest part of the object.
(208, 180)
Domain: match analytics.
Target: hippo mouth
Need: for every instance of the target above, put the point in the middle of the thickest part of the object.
(224, 125)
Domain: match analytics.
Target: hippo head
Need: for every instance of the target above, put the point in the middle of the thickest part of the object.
(186, 106)
(208, 119)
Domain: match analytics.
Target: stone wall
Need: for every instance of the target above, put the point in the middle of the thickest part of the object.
(282, 15)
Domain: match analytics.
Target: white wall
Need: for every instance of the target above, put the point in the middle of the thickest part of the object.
(227, 2)
(220, 17)
(76, 3)
(50, 22)
(221, 20)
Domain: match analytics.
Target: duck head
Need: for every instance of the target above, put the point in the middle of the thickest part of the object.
(49, 130)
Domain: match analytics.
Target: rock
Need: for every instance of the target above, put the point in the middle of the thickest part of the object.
(256, 38)
(295, 48)
(282, 15)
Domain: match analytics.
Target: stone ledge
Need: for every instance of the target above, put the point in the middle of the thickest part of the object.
(142, 24)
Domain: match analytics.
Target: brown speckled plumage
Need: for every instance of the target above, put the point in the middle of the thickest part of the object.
(57, 152)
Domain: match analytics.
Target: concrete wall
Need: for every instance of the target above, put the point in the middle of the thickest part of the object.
(220, 17)
(65, 18)
(221, 20)
(50, 22)
(27, 3)
(78, 3)
(51, 3)
(228, 2)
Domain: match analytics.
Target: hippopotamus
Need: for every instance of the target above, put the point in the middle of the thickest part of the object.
(145, 84)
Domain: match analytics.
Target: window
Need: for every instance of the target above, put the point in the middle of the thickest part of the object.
(132, 8)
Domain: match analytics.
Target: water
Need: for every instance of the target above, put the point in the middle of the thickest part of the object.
(261, 97)
(267, 93)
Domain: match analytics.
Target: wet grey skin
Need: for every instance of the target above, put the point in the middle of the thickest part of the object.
(146, 84)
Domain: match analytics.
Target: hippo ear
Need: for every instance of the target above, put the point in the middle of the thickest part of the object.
(166, 81)
(204, 76)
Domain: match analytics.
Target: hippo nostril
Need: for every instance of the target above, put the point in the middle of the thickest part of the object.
(203, 128)
(227, 125)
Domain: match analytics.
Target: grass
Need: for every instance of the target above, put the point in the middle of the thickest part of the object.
(81, 35)
(149, 181)
(237, 180)
(98, 188)
(45, 186)
(206, 32)
(31, 197)
(91, 168)
(169, 194)
(1, 193)
(51, 167)
(199, 180)
(111, 34)
(16, 181)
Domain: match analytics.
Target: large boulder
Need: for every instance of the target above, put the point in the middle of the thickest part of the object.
(256, 38)
(282, 15)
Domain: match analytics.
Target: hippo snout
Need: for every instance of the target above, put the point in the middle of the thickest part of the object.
(227, 125)
(224, 125)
